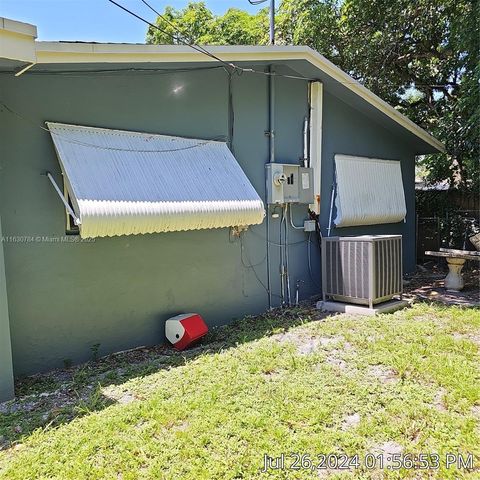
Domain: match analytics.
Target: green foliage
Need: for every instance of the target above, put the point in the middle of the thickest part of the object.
(312, 23)
(192, 24)
(455, 225)
(422, 57)
(197, 24)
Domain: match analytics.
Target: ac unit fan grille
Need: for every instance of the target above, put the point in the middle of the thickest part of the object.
(348, 272)
(362, 269)
(387, 262)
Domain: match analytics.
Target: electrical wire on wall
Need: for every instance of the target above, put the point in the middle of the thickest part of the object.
(309, 256)
(282, 261)
(108, 72)
(252, 266)
(5, 107)
(287, 263)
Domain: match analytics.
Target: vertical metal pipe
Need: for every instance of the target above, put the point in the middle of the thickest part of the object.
(306, 162)
(281, 266)
(332, 198)
(271, 159)
(287, 263)
(272, 22)
(271, 113)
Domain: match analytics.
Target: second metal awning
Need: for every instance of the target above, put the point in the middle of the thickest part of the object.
(369, 191)
(123, 183)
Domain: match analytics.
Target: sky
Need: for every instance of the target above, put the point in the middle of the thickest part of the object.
(97, 20)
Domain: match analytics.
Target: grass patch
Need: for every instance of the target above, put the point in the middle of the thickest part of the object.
(292, 382)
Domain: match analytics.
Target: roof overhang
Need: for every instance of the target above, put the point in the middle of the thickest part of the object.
(74, 53)
(17, 42)
(18, 47)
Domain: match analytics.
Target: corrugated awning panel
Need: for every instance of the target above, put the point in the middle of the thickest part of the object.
(123, 183)
(369, 191)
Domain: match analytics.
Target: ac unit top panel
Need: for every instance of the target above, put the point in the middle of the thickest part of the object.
(362, 238)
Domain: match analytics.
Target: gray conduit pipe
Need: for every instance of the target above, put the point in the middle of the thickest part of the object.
(271, 159)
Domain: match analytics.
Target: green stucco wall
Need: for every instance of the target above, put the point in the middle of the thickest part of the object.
(6, 368)
(65, 296)
(347, 131)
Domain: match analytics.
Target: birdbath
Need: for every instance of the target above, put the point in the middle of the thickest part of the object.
(455, 260)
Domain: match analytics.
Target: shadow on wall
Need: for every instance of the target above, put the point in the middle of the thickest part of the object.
(58, 397)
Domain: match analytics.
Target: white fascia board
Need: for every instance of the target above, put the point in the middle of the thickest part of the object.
(18, 27)
(57, 52)
(338, 74)
(316, 112)
(17, 41)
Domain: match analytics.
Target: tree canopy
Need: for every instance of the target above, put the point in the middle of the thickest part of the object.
(421, 56)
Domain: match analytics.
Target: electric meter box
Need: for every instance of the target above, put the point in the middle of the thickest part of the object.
(288, 183)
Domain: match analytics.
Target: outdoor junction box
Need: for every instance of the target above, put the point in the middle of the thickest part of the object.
(289, 183)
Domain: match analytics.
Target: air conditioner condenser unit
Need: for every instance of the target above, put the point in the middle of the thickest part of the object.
(364, 270)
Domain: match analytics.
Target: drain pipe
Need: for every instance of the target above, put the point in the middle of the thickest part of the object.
(271, 159)
(332, 198)
(271, 111)
(306, 161)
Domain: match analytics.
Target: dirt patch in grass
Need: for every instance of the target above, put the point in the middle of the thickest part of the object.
(382, 374)
(386, 450)
(427, 284)
(438, 400)
(308, 343)
(351, 421)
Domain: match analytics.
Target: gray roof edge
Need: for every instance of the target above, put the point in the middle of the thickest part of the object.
(70, 52)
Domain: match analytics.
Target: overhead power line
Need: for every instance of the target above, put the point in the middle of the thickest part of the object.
(191, 45)
(231, 67)
(164, 18)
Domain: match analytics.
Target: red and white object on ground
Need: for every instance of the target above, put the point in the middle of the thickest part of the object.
(185, 329)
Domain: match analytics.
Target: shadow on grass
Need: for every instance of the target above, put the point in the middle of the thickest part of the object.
(55, 398)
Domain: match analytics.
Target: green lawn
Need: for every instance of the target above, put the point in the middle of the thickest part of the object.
(406, 383)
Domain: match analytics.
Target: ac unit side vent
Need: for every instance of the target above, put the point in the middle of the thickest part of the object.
(366, 269)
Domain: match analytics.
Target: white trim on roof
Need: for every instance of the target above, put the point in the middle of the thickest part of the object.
(17, 40)
(18, 27)
(128, 183)
(65, 52)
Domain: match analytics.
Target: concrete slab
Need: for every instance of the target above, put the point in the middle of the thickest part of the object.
(350, 308)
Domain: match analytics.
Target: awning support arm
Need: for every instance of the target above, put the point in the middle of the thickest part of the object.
(70, 211)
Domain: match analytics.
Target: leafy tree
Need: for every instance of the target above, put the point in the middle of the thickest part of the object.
(197, 24)
(310, 22)
(421, 56)
(193, 24)
(237, 27)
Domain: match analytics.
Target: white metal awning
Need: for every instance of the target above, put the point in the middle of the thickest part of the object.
(369, 191)
(123, 183)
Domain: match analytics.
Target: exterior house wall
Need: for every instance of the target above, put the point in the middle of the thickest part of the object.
(66, 296)
(347, 131)
(6, 367)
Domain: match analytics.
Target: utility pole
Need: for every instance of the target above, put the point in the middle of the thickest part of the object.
(272, 22)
